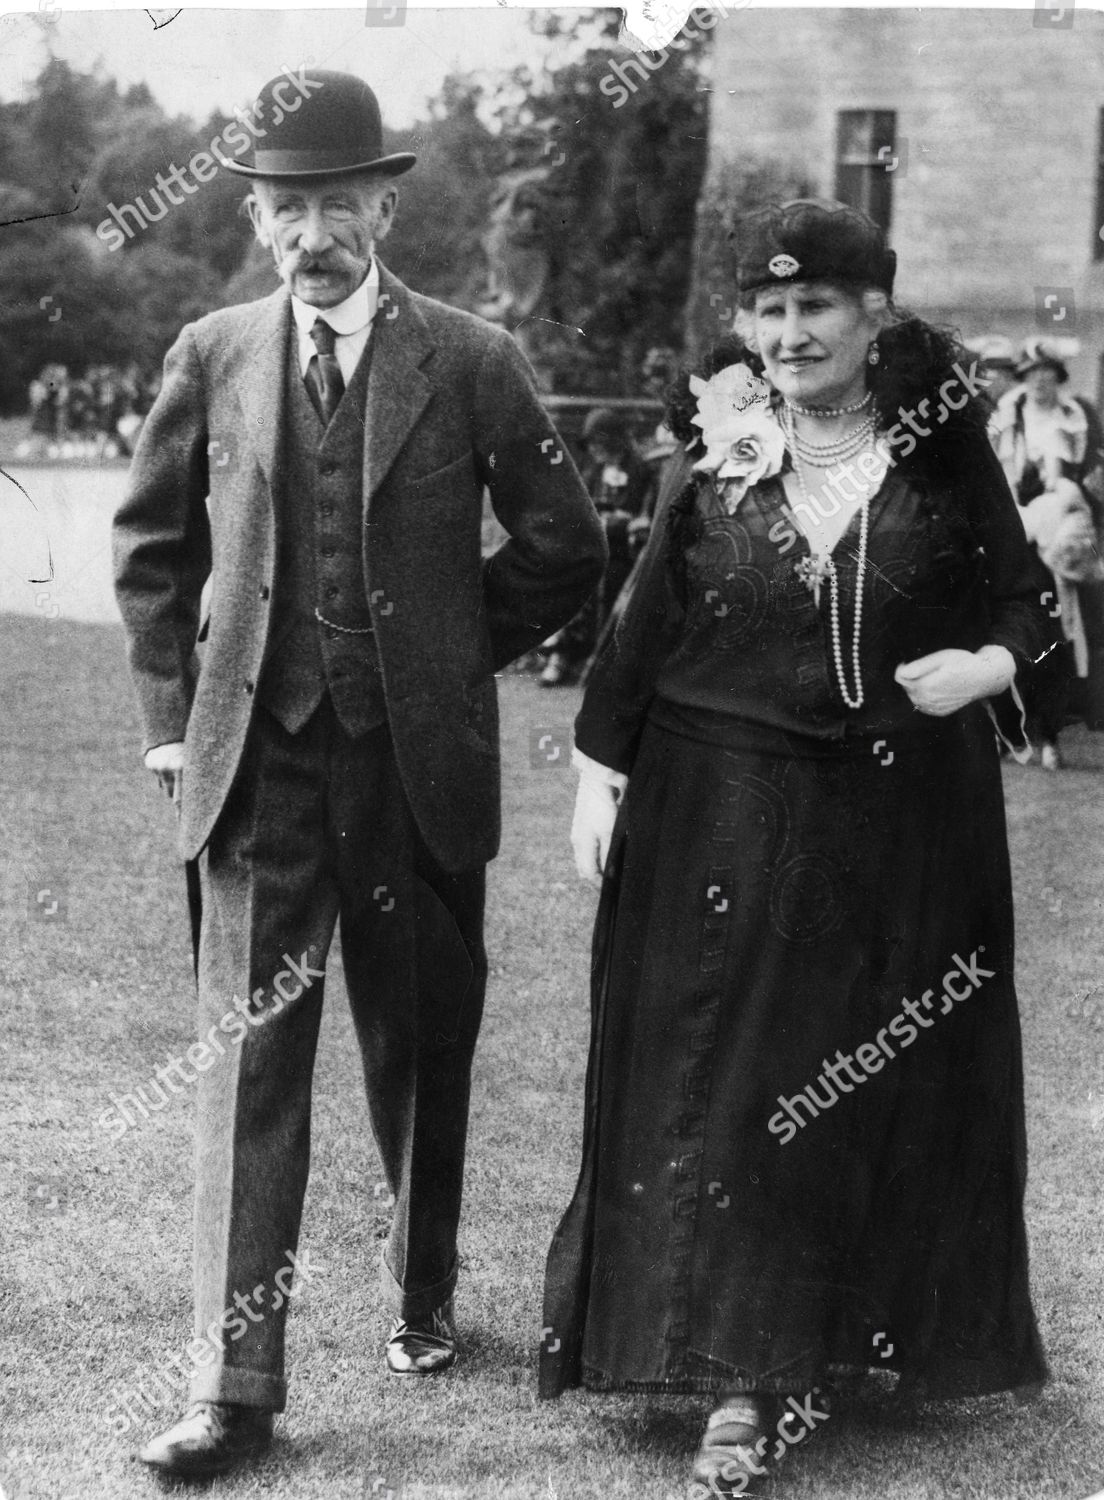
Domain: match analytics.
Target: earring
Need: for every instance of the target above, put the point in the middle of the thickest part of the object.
(873, 354)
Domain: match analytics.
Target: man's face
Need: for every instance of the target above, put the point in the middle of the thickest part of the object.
(321, 231)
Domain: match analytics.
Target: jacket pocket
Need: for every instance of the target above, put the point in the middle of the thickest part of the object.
(443, 478)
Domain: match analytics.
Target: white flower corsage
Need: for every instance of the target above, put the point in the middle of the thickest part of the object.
(743, 440)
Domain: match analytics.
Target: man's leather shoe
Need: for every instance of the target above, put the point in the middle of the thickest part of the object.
(424, 1346)
(210, 1438)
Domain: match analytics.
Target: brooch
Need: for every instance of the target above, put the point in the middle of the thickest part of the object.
(783, 265)
(812, 572)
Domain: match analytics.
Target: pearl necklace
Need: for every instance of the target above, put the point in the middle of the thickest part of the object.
(829, 568)
(824, 455)
(830, 411)
(837, 648)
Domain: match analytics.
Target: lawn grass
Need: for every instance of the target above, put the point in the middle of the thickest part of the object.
(95, 1283)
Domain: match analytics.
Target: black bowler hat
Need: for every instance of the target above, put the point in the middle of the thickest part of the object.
(328, 126)
(811, 239)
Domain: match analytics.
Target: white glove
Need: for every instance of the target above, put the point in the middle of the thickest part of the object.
(600, 791)
(946, 681)
(167, 764)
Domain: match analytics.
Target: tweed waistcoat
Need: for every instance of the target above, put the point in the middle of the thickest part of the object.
(319, 565)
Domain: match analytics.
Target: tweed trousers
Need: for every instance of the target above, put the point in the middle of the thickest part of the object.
(317, 830)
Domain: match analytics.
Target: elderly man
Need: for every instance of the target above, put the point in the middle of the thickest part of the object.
(321, 458)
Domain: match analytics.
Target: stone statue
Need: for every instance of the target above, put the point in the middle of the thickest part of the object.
(516, 244)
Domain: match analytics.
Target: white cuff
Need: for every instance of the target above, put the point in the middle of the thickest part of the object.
(1023, 752)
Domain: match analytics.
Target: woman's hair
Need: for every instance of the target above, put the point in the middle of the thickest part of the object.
(917, 358)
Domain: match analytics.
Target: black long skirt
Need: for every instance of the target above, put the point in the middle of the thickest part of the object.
(787, 1169)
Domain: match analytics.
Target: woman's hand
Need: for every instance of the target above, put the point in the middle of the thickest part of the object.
(596, 803)
(945, 681)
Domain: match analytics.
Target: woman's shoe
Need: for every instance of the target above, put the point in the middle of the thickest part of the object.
(748, 1435)
(733, 1451)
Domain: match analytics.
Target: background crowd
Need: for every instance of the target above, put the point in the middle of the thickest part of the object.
(97, 414)
(561, 214)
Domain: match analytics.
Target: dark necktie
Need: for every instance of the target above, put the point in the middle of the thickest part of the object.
(323, 378)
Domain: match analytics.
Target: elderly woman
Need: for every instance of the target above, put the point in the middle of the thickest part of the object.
(804, 1135)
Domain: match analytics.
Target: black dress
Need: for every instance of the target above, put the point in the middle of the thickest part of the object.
(785, 874)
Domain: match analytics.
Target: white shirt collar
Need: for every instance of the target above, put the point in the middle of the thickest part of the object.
(351, 316)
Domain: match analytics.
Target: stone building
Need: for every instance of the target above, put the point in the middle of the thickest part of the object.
(977, 136)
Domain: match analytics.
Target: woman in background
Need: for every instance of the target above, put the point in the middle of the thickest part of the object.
(1048, 443)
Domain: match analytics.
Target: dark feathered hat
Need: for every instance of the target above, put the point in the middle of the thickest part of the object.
(811, 239)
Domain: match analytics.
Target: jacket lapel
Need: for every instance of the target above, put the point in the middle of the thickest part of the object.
(263, 352)
(398, 390)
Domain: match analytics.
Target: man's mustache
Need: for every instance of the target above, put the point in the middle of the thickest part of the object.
(296, 264)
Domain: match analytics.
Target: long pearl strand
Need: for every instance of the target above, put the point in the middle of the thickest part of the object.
(800, 453)
(837, 647)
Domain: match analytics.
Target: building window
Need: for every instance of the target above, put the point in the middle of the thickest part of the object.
(1098, 222)
(866, 142)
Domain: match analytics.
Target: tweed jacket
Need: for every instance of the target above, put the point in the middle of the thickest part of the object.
(451, 409)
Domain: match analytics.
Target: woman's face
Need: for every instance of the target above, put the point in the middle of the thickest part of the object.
(1043, 382)
(814, 338)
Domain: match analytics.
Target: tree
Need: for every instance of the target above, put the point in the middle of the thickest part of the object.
(60, 304)
(434, 244)
(601, 191)
(625, 162)
(730, 191)
(204, 222)
(68, 150)
(59, 130)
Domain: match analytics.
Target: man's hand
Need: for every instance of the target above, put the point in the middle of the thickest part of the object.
(167, 764)
(945, 681)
